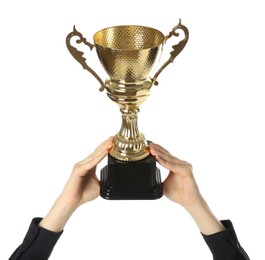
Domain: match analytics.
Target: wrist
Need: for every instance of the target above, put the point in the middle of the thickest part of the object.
(68, 204)
(204, 218)
(58, 216)
(196, 205)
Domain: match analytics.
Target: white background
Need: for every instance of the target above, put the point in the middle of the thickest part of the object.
(208, 109)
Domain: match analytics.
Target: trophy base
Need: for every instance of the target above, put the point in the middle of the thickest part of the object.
(140, 180)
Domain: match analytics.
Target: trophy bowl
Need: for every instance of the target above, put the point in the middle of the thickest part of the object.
(129, 54)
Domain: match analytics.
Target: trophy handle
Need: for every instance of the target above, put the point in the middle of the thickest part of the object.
(176, 48)
(78, 55)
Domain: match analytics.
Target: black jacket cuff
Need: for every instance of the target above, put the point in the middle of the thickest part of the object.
(37, 244)
(224, 245)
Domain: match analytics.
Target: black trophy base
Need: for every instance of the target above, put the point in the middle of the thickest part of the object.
(139, 180)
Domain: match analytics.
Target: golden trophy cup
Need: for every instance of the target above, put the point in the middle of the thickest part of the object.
(129, 55)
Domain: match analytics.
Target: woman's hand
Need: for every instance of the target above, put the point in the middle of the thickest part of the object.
(83, 184)
(180, 186)
(81, 187)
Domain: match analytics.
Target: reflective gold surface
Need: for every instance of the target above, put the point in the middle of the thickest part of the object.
(129, 55)
(129, 143)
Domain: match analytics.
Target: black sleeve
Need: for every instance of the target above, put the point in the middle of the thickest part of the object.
(37, 244)
(224, 245)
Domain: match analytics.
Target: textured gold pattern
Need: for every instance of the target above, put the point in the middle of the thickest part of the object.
(129, 55)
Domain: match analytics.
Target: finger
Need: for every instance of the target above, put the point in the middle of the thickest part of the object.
(86, 167)
(90, 162)
(95, 155)
(166, 157)
(166, 164)
(159, 151)
(159, 148)
(107, 144)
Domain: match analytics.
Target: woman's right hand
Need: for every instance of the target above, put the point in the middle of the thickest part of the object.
(180, 185)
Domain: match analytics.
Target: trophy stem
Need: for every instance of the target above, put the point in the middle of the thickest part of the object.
(129, 128)
(129, 143)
